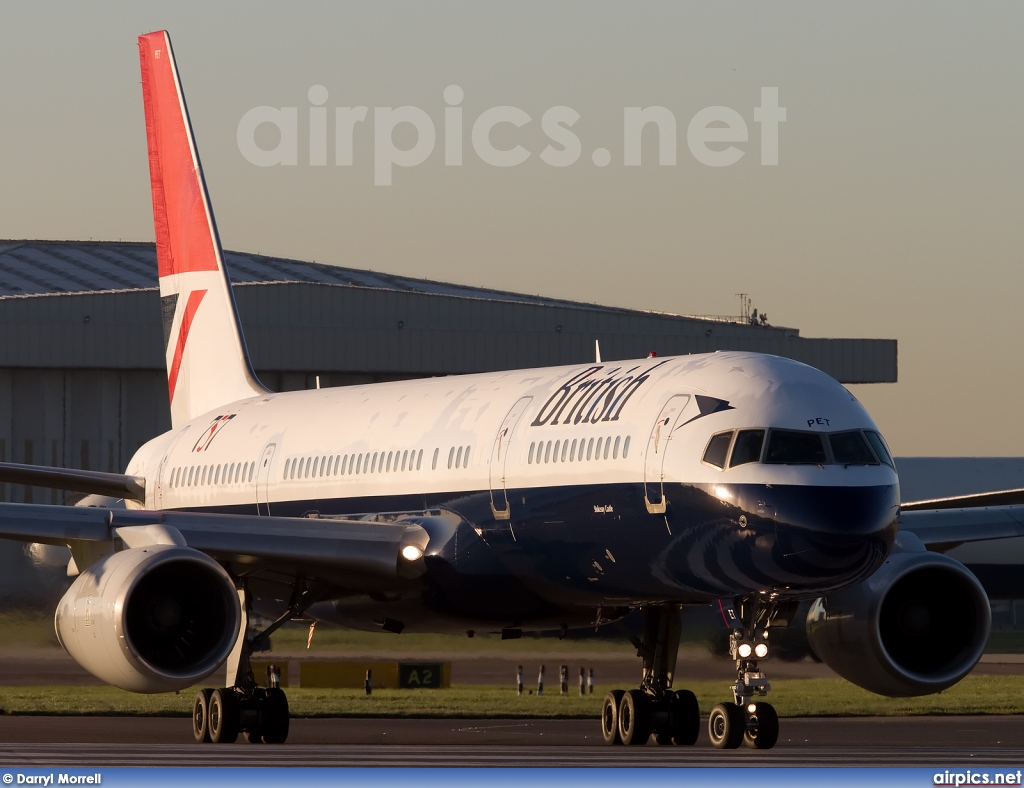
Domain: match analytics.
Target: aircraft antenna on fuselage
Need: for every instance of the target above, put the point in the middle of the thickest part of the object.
(207, 361)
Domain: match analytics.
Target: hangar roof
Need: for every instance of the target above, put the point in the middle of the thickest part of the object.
(95, 305)
(29, 268)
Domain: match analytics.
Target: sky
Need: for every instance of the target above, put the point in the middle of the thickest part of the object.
(892, 211)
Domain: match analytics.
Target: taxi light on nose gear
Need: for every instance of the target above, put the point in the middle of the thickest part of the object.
(761, 650)
(744, 650)
(751, 708)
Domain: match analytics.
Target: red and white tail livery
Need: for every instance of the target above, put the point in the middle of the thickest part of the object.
(207, 362)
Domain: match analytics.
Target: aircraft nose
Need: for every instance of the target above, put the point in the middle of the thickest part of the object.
(845, 531)
(812, 539)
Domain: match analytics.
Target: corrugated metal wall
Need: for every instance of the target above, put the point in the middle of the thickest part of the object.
(322, 328)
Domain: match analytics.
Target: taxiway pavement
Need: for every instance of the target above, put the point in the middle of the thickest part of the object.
(932, 742)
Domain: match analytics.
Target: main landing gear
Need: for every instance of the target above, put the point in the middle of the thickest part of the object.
(259, 713)
(631, 716)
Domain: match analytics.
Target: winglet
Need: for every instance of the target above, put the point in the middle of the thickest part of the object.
(207, 361)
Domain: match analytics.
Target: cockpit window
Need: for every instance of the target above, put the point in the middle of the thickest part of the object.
(878, 444)
(850, 448)
(747, 447)
(795, 448)
(718, 449)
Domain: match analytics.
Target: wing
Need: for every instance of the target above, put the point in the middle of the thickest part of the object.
(944, 527)
(117, 485)
(998, 498)
(342, 554)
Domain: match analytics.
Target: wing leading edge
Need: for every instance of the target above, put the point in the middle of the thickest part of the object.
(339, 553)
(117, 485)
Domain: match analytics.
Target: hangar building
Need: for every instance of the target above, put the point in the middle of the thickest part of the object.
(82, 381)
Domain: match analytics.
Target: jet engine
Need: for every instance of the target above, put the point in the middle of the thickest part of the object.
(150, 619)
(916, 626)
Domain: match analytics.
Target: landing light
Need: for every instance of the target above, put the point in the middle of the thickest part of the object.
(722, 493)
(761, 650)
(744, 650)
(412, 553)
(751, 708)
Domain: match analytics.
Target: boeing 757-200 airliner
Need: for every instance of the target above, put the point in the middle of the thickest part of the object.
(528, 500)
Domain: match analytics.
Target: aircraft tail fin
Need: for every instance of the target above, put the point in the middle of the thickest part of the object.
(207, 361)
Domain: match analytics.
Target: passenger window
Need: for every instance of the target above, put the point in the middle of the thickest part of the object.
(747, 447)
(625, 448)
(850, 448)
(419, 459)
(433, 465)
(405, 458)
(373, 463)
(451, 457)
(554, 454)
(607, 447)
(465, 464)
(529, 458)
(615, 451)
(458, 458)
(547, 452)
(390, 455)
(252, 470)
(881, 450)
(795, 448)
(572, 451)
(590, 448)
(718, 449)
(565, 448)
(597, 452)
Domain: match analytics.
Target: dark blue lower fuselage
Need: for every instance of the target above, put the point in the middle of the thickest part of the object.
(569, 550)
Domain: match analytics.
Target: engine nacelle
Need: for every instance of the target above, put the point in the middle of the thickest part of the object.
(916, 626)
(150, 619)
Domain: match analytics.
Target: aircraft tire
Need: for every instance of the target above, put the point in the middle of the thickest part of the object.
(764, 731)
(274, 716)
(635, 718)
(201, 716)
(726, 725)
(224, 716)
(610, 717)
(685, 718)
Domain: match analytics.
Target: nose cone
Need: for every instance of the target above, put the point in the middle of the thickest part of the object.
(796, 539)
(828, 537)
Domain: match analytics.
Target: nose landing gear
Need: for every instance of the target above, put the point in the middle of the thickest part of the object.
(755, 724)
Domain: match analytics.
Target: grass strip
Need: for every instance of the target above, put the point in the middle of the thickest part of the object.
(791, 697)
